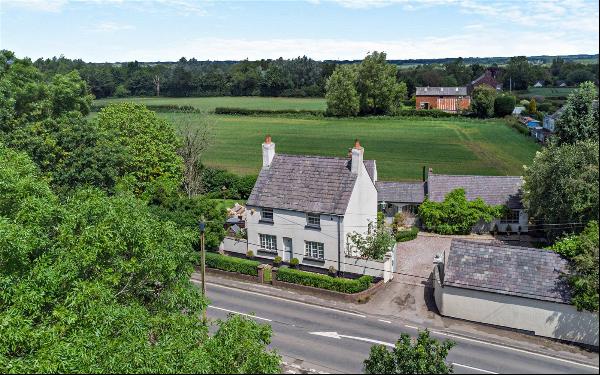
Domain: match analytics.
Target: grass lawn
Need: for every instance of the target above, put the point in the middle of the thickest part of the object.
(209, 103)
(401, 146)
(226, 203)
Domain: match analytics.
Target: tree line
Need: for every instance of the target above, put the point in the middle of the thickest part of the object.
(298, 77)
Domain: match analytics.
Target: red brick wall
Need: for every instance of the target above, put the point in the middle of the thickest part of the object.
(462, 104)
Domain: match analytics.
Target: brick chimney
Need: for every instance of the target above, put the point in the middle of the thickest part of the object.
(357, 158)
(268, 151)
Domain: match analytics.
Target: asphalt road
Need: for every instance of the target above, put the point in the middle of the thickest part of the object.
(330, 340)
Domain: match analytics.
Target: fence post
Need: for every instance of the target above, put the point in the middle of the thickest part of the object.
(261, 273)
(274, 275)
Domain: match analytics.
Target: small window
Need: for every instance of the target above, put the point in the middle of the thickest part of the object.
(511, 217)
(314, 250)
(313, 220)
(268, 242)
(267, 214)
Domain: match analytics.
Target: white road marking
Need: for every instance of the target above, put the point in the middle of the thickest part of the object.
(515, 349)
(474, 368)
(411, 327)
(286, 300)
(239, 313)
(385, 321)
(335, 335)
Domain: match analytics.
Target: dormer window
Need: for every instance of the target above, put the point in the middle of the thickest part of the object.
(313, 220)
(266, 215)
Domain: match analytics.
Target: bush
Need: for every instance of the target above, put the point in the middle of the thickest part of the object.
(332, 271)
(317, 280)
(232, 264)
(515, 124)
(254, 112)
(456, 215)
(482, 101)
(250, 254)
(294, 262)
(218, 183)
(277, 260)
(504, 105)
(436, 113)
(161, 108)
(407, 235)
(399, 221)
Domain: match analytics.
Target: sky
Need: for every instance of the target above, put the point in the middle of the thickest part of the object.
(165, 30)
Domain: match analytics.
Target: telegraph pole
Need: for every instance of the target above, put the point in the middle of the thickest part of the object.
(202, 227)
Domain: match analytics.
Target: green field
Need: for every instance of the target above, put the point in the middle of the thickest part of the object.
(549, 92)
(401, 146)
(209, 103)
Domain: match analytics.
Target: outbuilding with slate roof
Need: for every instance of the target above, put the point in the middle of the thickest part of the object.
(510, 286)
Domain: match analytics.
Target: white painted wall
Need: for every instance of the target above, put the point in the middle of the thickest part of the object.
(292, 224)
(544, 318)
(234, 245)
(362, 207)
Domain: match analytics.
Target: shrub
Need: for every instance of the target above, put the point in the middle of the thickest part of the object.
(232, 264)
(436, 113)
(294, 262)
(504, 105)
(482, 101)
(515, 124)
(509, 229)
(277, 260)
(338, 284)
(250, 254)
(456, 215)
(407, 235)
(399, 221)
(218, 183)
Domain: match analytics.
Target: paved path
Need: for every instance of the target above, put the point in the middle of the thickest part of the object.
(327, 339)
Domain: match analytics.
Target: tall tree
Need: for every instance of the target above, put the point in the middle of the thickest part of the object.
(379, 92)
(518, 73)
(561, 185)
(98, 284)
(579, 120)
(482, 102)
(341, 95)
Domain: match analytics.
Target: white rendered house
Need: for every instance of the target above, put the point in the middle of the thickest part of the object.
(304, 207)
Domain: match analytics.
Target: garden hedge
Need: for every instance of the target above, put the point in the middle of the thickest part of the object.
(232, 264)
(407, 235)
(252, 112)
(159, 108)
(338, 284)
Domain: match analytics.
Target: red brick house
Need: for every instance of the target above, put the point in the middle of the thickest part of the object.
(448, 99)
(487, 78)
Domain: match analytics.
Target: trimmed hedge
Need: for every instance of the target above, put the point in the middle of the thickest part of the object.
(436, 113)
(252, 112)
(232, 264)
(407, 235)
(338, 284)
(159, 108)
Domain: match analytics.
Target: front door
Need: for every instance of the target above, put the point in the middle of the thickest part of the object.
(287, 249)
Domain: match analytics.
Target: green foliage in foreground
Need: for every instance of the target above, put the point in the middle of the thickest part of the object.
(317, 280)
(582, 252)
(579, 121)
(456, 215)
(98, 284)
(425, 356)
(232, 264)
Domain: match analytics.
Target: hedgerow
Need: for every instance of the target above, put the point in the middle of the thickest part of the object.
(317, 280)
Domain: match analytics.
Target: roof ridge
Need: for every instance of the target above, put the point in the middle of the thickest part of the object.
(471, 175)
(464, 240)
(319, 157)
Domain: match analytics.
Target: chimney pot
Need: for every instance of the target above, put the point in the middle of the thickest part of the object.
(268, 139)
(268, 152)
(357, 158)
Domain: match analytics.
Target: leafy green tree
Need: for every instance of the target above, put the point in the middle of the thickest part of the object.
(579, 121)
(579, 76)
(68, 92)
(561, 185)
(456, 215)
(149, 142)
(425, 356)
(518, 73)
(482, 101)
(379, 92)
(374, 244)
(532, 108)
(582, 252)
(98, 284)
(504, 105)
(341, 95)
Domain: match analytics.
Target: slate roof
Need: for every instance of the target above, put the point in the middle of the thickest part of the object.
(511, 270)
(400, 192)
(313, 184)
(494, 190)
(438, 91)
